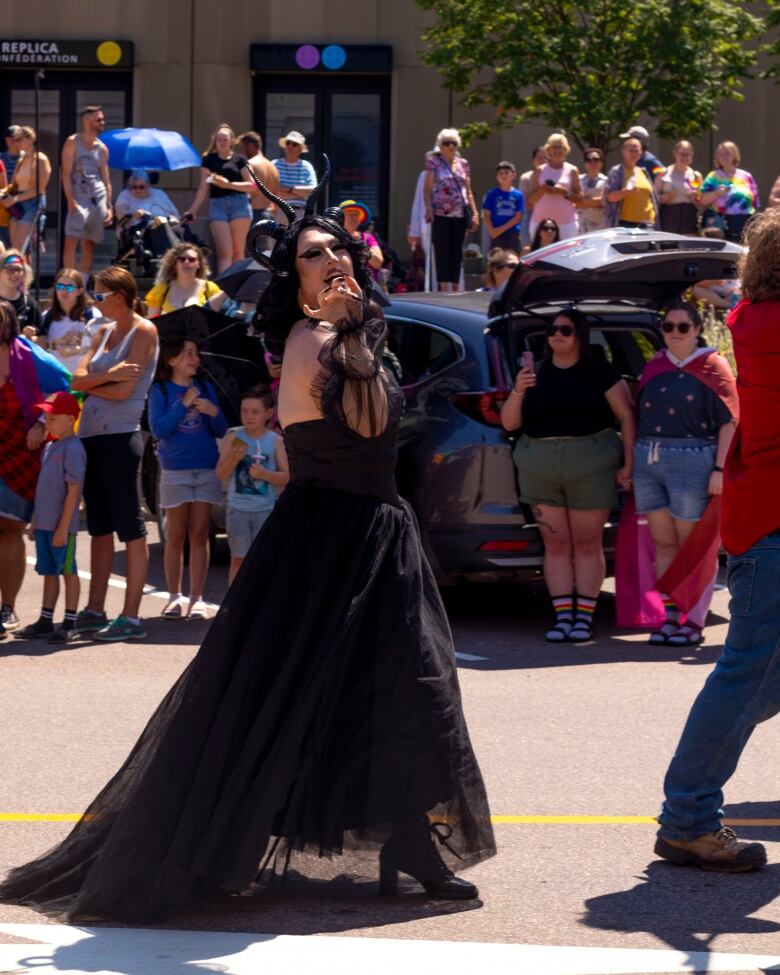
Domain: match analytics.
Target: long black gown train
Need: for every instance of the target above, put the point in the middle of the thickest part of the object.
(322, 709)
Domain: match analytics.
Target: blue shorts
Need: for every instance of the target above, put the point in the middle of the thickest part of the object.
(233, 207)
(29, 208)
(51, 560)
(674, 474)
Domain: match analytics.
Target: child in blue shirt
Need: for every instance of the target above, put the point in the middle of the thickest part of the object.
(254, 463)
(185, 419)
(503, 209)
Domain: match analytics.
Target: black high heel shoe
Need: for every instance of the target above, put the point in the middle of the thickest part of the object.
(413, 852)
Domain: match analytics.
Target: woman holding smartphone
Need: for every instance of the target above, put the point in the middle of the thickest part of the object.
(569, 462)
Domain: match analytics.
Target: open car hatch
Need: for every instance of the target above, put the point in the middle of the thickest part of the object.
(647, 267)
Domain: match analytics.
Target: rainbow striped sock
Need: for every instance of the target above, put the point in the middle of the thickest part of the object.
(586, 607)
(564, 608)
(672, 612)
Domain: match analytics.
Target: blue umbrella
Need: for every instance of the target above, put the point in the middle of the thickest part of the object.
(152, 149)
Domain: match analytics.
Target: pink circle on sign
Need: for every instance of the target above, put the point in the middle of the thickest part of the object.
(307, 57)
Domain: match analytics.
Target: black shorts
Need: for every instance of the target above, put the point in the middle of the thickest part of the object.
(111, 491)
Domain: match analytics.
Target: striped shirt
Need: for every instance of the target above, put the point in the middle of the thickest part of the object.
(299, 173)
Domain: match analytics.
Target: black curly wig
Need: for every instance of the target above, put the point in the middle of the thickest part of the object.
(278, 308)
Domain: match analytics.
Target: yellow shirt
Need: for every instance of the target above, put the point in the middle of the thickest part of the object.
(160, 296)
(638, 205)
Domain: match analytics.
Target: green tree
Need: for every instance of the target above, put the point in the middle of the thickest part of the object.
(593, 68)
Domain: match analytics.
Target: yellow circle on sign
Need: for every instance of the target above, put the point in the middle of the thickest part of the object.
(109, 53)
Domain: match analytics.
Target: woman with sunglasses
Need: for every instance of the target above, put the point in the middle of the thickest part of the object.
(68, 325)
(15, 280)
(555, 189)
(501, 264)
(677, 189)
(687, 408)
(569, 461)
(590, 208)
(448, 199)
(547, 232)
(183, 279)
(115, 373)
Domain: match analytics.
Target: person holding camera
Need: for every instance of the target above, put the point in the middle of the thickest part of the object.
(555, 189)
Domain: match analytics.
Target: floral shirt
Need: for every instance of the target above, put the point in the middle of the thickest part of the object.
(448, 193)
(742, 197)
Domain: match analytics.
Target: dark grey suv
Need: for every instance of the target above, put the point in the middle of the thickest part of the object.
(459, 354)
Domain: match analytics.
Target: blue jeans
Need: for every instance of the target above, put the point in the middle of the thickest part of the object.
(229, 208)
(742, 691)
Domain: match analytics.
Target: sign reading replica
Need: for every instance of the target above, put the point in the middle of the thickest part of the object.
(66, 54)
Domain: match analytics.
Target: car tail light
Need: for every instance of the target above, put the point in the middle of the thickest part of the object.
(484, 407)
(505, 546)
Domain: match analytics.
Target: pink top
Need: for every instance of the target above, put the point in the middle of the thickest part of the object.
(552, 206)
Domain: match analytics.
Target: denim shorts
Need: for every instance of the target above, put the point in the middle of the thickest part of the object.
(54, 560)
(29, 209)
(673, 473)
(243, 528)
(233, 207)
(184, 487)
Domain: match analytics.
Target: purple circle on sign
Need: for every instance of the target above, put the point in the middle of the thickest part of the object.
(307, 57)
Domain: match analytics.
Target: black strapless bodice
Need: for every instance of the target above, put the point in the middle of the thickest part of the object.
(332, 455)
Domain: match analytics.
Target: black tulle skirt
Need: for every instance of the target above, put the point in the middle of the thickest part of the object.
(322, 708)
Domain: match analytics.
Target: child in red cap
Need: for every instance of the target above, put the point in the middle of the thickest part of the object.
(56, 517)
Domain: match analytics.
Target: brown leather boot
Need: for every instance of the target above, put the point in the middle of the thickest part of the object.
(720, 851)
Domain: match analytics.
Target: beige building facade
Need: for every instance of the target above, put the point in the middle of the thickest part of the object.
(346, 73)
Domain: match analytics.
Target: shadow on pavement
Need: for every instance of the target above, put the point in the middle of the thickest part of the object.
(687, 909)
(497, 609)
(766, 809)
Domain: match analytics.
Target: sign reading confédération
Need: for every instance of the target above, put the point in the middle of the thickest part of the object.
(65, 54)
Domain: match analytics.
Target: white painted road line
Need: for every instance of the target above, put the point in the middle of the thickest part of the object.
(64, 950)
(121, 584)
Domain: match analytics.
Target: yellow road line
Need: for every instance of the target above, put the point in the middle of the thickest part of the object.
(496, 820)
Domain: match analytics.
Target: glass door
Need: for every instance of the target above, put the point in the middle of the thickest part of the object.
(347, 118)
(63, 95)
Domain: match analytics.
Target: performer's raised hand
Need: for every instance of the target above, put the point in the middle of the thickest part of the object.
(340, 301)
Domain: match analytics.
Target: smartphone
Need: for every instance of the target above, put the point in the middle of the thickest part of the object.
(549, 182)
(527, 360)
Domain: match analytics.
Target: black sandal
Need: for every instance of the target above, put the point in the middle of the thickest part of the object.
(688, 635)
(581, 632)
(661, 636)
(562, 627)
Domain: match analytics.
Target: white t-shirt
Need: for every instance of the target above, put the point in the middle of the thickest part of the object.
(69, 340)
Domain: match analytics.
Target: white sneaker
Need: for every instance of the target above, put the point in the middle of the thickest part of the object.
(198, 610)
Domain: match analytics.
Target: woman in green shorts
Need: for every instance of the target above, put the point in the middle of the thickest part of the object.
(569, 461)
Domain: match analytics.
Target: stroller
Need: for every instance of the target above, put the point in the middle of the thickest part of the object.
(141, 245)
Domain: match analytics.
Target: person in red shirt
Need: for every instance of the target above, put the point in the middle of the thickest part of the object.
(744, 688)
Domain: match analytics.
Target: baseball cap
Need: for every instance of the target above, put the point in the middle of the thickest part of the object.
(294, 137)
(60, 404)
(636, 132)
(365, 212)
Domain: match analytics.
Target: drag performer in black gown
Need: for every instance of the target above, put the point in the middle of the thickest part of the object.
(322, 714)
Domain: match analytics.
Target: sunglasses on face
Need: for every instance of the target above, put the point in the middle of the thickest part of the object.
(566, 330)
(593, 159)
(682, 327)
(14, 267)
(62, 286)
(288, 143)
(138, 186)
(499, 266)
(548, 229)
(99, 296)
(187, 259)
(448, 142)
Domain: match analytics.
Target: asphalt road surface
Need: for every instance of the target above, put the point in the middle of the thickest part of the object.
(573, 743)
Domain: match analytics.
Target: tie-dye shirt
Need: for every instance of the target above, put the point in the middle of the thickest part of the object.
(742, 197)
